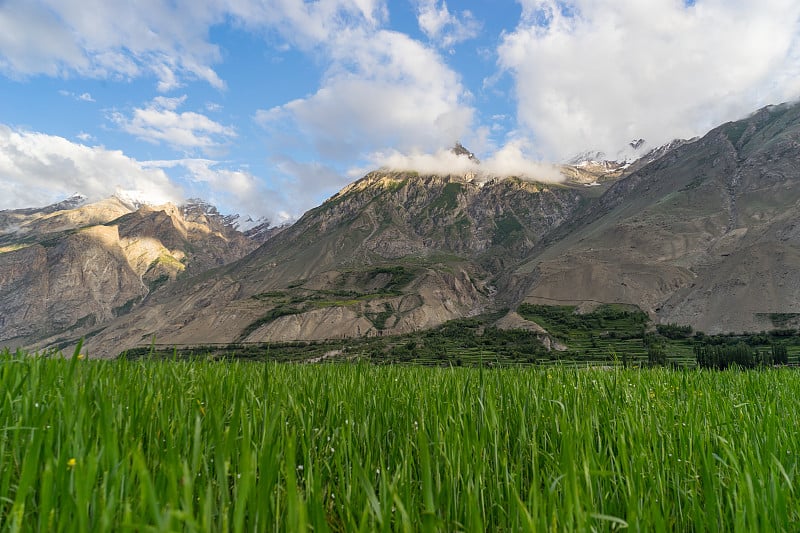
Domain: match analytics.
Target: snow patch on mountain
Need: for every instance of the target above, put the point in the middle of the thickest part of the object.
(133, 199)
(636, 154)
(621, 159)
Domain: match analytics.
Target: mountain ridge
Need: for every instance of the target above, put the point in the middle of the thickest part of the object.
(700, 232)
(75, 265)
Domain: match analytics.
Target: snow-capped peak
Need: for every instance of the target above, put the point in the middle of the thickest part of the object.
(133, 199)
(75, 200)
(634, 156)
(249, 223)
(622, 159)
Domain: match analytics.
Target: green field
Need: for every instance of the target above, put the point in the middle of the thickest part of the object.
(212, 446)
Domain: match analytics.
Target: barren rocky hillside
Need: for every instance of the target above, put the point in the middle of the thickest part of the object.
(393, 252)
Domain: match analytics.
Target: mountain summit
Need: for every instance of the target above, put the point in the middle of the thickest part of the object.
(459, 149)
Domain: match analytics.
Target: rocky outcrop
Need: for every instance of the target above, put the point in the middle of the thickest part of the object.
(79, 281)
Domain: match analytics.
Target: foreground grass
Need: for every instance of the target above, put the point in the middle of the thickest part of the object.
(197, 446)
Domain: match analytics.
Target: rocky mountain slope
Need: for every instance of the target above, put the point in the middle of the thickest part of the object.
(706, 235)
(73, 266)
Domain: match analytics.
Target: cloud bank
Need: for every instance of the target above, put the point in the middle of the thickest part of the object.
(383, 89)
(595, 74)
(37, 169)
(509, 161)
(168, 40)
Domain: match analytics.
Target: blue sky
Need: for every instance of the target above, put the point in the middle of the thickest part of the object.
(266, 107)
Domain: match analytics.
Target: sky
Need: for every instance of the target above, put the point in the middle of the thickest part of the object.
(267, 107)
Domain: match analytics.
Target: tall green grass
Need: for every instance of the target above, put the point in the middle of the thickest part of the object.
(199, 446)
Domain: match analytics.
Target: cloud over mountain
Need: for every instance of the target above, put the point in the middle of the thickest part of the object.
(338, 85)
(38, 169)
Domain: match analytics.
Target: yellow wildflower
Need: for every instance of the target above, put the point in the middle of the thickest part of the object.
(81, 356)
(72, 462)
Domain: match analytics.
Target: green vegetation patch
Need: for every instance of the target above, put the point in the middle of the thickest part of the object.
(395, 185)
(609, 320)
(623, 334)
(85, 321)
(780, 320)
(674, 331)
(168, 260)
(694, 184)
(610, 332)
(735, 130)
(125, 308)
(157, 282)
(448, 199)
(270, 316)
(379, 319)
(269, 295)
(13, 247)
(400, 277)
(507, 229)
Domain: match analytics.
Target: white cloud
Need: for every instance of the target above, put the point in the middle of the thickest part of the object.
(159, 122)
(166, 39)
(37, 169)
(598, 73)
(234, 190)
(110, 39)
(510, 160)
(440, 162)
(444, 27)
(83, 97)
(303, 182)
(383, 89)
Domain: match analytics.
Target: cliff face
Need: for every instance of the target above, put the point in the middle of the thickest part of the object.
(80, 280)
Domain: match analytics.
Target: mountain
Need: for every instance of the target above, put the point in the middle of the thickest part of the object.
(76, 265)
(700, 232)
(706, 235)
(391, 253)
